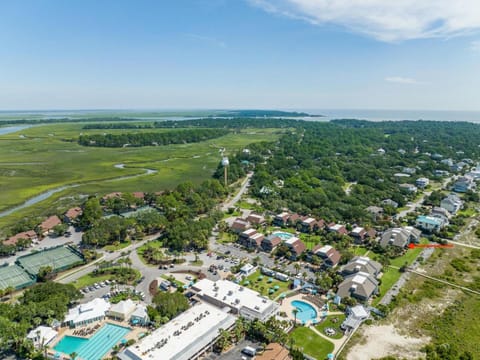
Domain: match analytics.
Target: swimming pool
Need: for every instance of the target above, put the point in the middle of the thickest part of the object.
(95, 347)
(283, 235)
(306, 312)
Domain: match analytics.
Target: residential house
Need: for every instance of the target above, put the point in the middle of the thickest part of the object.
(269, 243)
(27, 235)
(376, 211)
(47, 226)
(72, 214)
(329, 255)
(438, 211)
(356, 315)
(463, 184)
(361, 264)
(430, 223)
(240, 225)
(296, 247)
(452, 203)
(448, 162)
(140, 195)
(112, 195)
(422, 182)
(409, 188)
(409, 170)
(281, 219)
(381, 151)
(293, 219)
(440, 173)
(400, 237)
(358, 234)
(255, 219)
(458, 166)
(251, 239)
(359, 285)
(308, 225)
(337, 228)
(390, 202)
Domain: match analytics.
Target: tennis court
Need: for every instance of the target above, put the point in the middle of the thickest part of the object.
(15, 277)
(59, 258)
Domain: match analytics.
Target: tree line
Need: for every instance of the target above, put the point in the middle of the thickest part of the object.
(150, 139)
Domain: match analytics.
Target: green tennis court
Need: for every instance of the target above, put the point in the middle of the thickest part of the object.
(59, 258)
(14, 276)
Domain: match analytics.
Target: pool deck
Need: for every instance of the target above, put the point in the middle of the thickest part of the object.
(65, 331)
(288, 307)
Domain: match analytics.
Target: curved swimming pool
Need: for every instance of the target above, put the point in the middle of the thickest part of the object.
(306, 312)
(283, 235)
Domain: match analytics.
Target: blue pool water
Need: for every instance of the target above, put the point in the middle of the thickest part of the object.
(306, 312)
(283, 235)
(95, 347)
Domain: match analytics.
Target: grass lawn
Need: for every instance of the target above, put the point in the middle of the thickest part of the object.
(310, 343)
(118, 246)
(227, 238)
(196, 263)
(389, 277)
(48, 157)
(155, 244)
(310, 241)
(469, 212)
(90, 279)
(359, 250)
(328, 323)
(263, 286)
(409, 256)
(232, 214)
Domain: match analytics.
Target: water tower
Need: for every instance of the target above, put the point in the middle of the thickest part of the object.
(225, 164)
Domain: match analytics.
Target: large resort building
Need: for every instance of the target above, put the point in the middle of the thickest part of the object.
(240, 300)
(186, 337)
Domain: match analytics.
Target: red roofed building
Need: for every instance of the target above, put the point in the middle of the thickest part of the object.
(255, 219)
(72, 214)
(270, 243)
(240, 225)
(28, 235)
(112, 195)
(47, 226)
(296, 246)
(338, 228)
(138, 195)
(329, 255)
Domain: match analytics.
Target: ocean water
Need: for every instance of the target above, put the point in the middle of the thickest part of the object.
(395, 115)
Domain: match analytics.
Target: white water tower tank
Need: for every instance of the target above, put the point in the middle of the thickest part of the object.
(225, 161)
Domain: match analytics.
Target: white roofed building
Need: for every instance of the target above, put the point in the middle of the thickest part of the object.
(140, 315)
(186, 337)
(41, 335)
(122, 310)
(88, 313)
(241, 300)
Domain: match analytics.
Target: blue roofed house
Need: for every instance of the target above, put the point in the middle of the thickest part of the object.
(463, 184)
(430, 223)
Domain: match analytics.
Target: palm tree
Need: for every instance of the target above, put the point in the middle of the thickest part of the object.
(73, 355)
(297, 268)
(295, 312)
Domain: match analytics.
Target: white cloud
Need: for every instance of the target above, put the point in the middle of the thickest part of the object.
(402, 80)
(475, 46)
(208, 40)
(385, 20)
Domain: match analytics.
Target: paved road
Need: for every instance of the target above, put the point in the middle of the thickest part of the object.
(79, 272)
(419, 202)
(231, 202)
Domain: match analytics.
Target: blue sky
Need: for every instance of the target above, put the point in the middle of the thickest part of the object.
(239, 54)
